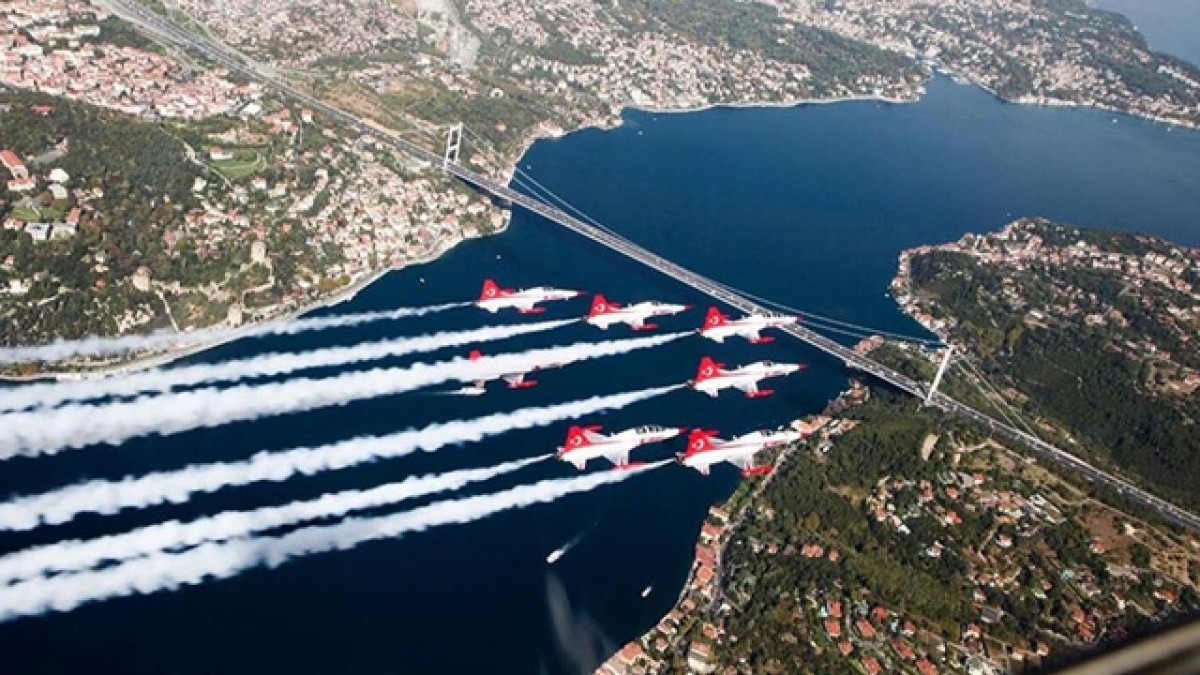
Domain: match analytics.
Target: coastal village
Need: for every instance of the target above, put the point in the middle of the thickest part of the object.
(264, 172)
(1022, 51)
(576, 65)
(628, 67)
(1164, 280)
(1044, 568)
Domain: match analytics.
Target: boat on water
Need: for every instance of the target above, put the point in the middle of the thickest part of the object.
(555, 555)
(646, 591)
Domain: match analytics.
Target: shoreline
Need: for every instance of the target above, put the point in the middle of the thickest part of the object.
(727, 517)
(170, 355)
(1042, 102)
(182, 351)
(790, 103)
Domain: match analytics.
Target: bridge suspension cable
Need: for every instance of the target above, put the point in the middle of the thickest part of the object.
(991, 393)
(978, 368)
(817, 321)
(973, 381)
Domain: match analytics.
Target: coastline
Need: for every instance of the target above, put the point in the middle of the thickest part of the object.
(790, 103)
(1042, 102)
(181, 351)
(720, 527)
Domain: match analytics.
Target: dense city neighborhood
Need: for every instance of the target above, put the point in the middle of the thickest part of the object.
(262, 177)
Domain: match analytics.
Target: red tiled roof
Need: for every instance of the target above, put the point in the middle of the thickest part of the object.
(631, 652)
(10, 159)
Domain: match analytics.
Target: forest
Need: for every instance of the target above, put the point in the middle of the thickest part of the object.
(1084, 378)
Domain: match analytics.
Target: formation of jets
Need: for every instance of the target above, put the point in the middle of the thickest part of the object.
(704, 448)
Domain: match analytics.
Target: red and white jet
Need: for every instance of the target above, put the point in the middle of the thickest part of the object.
(514, 380)
(493, 298)
(718, 326)
(586, 443)
(711, 377)
(705, 449)
(604, 313)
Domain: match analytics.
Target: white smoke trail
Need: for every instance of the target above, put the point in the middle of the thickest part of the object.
(314, 323)
(50, 394)
(108, 497)
(212, 561)
(75, 426)
(77, 556)
(108, 346)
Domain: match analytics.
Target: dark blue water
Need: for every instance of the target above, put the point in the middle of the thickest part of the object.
(1170, 26)
(808, 206)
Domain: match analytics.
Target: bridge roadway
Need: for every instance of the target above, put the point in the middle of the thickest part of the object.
(170, 32)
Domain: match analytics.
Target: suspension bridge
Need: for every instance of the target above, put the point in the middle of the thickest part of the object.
(1014, 430)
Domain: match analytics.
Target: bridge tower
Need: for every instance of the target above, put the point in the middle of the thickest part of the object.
(453, 145)
(937, 379)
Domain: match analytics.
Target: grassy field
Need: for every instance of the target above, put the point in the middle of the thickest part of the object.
(45, 214)
(245, 163)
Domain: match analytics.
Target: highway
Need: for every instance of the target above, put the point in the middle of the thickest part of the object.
(167, 31)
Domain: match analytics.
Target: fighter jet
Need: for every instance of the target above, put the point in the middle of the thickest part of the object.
(604, 313)
(514, 380)
(711, 377)
(705, 449)
(718, 326)
(587, 443)
(493, 298)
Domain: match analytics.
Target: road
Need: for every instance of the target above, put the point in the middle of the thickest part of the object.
(227, 57)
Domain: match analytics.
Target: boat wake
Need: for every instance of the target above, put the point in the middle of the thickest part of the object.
(559, 552)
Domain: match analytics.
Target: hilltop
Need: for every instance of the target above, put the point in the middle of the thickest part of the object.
(1090, 334)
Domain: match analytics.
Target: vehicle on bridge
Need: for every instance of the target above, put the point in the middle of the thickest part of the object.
(718, 326)
(493, 298)
(706, 449)
(585, 443)
(712, 377)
